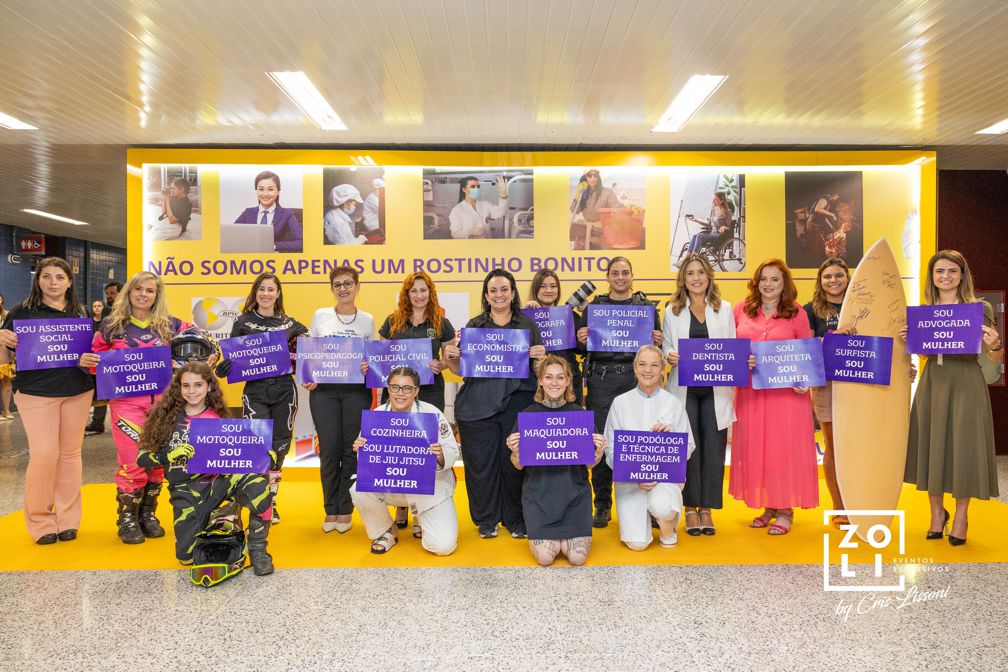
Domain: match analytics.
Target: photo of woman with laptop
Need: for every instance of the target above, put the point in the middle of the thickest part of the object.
(268, 226)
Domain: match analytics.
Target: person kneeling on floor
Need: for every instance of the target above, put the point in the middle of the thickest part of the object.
(647, 407)
(195, 393)
(435, 520)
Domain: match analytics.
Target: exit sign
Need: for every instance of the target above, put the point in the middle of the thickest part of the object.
(34, 244)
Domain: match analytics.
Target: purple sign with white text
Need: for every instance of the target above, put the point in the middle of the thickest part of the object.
(796, 362)
(560, 438)
(946, 329)
(556, 326)
(619, 328)
(51, 344)
(256, 356)
(329, 359)
(715, 362)
(230, 446)
(134, 372)
(397, 457)
(494, 353)
(383, 356)
(647, 457)
(857, 359)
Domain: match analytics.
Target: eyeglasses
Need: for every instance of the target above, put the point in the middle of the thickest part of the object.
(404, 389)
(346, 284)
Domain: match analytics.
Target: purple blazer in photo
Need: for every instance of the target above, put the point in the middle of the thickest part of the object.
(287, 236)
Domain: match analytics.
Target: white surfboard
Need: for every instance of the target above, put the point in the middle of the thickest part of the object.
(871, 422)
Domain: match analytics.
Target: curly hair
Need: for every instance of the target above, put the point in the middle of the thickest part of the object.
(161, 421)
(404, 310)
(788, 305)
(160, 320)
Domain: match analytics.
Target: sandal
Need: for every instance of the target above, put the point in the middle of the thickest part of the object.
(837, 521)
(383, 543)
(401, 517)
(778, 528)
(707, 530)
(693, 530)
(417, 530)
(763, 520)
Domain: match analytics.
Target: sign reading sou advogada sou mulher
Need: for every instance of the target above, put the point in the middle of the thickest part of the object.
(403, 222)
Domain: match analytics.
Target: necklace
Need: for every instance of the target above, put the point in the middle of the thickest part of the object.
(352, 319)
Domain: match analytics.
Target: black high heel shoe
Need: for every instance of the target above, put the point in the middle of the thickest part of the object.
(938, 535)
(956, 541)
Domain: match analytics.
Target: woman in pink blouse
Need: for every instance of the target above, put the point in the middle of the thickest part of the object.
(773, 456)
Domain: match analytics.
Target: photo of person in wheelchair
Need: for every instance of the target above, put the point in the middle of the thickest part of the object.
(717, 238)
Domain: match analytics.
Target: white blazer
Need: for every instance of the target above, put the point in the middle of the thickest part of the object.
(719, 325)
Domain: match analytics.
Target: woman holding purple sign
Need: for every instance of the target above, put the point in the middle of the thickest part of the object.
(436, 520)
(648, 408)
(53, 404)
(336, 407)
(139, 319)
(697, 311)
(486, 410)
(418, 315)
(951, 443)
(773, 461)
(273, 398)
(556, 500)
(609, 374)
(544, 292)
(824, 316)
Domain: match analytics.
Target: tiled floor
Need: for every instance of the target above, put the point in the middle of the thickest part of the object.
(718, 617)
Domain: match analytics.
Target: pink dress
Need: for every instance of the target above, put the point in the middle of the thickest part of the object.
(773, 455)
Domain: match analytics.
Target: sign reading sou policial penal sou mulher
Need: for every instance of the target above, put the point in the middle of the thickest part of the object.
(619, 327)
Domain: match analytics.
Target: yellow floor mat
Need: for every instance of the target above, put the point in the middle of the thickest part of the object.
(299, 541)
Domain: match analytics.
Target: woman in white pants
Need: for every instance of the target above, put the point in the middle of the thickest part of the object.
(647, 407)
(435, 513)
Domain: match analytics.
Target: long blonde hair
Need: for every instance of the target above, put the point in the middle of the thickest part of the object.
(965, 290)
(681, 297)
(820, 305)
(160, 320)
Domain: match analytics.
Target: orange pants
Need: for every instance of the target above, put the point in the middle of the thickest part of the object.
(55, 429)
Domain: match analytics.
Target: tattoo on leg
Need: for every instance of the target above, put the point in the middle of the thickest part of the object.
(577, 549)
(544, 550)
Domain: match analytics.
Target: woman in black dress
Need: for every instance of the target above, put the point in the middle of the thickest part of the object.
(556, 500)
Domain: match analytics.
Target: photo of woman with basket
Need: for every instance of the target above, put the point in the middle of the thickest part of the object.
(607, 217)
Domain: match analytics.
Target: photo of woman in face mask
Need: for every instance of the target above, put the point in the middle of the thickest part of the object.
(470, 218)
(339, 225)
